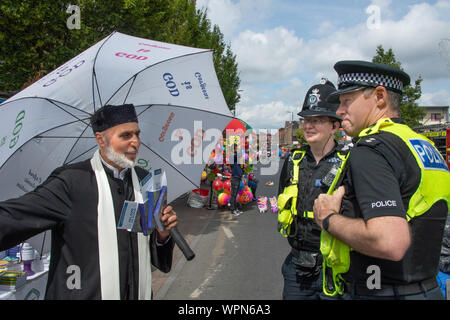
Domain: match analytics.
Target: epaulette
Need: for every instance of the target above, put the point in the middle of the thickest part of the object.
(344, 148)
(370, 141)
(380, 142)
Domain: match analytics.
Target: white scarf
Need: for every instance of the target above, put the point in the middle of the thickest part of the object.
(107, 239)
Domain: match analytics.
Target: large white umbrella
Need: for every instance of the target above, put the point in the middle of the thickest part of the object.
(174, 88)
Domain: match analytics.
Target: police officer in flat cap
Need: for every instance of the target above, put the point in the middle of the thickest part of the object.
(383, 223)
(303, 177)
(81, 203)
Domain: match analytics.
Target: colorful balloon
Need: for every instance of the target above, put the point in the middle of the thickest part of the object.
(223, 199)
(217, 185)
(245, 197)
(204, 175)
(227, 186)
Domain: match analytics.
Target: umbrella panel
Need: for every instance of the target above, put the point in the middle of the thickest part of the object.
(129, 55)
(188, 81)
(175, 140)
(24, 119)
(32, 164)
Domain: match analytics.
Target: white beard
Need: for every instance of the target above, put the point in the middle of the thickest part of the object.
(119, 159)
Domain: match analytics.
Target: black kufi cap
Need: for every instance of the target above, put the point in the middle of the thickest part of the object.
(109, 116)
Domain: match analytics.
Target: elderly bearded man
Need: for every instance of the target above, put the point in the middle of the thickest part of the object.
(81, 203)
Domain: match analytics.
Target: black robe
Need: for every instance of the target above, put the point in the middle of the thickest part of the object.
(66, 203)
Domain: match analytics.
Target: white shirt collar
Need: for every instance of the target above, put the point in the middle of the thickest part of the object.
(118, 175)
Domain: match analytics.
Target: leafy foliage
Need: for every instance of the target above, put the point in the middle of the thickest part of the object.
(300, 136)
(35, 39)
(409, 109)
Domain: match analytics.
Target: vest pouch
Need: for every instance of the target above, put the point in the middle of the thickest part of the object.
(284, 199)
(325, 243)
(285, 217)
(339, 257)
(284, 203)
(336, 261)
(307, 264)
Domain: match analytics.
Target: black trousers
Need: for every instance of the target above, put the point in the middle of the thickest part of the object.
(235, 182)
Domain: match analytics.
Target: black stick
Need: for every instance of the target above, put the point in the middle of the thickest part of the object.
(182, 244)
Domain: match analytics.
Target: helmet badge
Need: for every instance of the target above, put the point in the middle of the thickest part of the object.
(314, 98)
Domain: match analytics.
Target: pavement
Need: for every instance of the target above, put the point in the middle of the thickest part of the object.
(193, 223)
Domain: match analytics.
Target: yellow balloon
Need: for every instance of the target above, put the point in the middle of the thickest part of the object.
(234, 139)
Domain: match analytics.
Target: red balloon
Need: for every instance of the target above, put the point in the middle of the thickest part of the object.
(227, 185)
(217, 185)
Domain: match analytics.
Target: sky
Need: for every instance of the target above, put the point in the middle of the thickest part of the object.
(283, 47)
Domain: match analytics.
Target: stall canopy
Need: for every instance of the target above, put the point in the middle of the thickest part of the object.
(238, 124)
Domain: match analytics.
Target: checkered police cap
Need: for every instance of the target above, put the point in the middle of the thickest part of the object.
(371, 80)
(352, 75)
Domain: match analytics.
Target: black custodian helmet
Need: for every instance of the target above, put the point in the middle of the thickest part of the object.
(316, 104)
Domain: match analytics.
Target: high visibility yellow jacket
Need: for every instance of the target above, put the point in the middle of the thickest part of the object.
(287, 212)
(434, 186)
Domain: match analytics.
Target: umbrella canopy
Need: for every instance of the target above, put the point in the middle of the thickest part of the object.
(247, 126)
(234, 125)
(175, 91)
(237, 124)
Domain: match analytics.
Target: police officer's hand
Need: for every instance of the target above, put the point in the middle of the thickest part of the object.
(326, 204)
(169, 220)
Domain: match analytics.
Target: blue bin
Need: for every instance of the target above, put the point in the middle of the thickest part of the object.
(442, 281)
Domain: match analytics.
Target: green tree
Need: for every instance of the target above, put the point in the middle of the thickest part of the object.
(300, 136)
(34, 38)
(228, 74)
(409, 109)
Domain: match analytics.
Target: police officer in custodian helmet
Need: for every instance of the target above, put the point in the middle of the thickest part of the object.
(303, 178)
